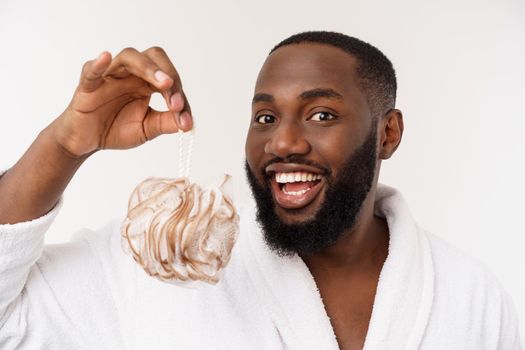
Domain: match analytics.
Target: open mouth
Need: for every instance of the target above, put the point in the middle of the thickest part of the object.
(295, 190)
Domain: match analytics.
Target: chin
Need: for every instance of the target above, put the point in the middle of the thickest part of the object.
(293, 216)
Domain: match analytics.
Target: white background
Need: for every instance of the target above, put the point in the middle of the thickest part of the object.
(460, 67)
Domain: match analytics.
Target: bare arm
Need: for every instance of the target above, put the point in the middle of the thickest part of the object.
(109, 110)
(34, 184)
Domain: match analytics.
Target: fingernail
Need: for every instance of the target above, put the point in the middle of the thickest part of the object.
(176, 101)
(185, 120)
(161, 76)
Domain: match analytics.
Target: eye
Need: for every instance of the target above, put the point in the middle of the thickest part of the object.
(322, 117)
(265, 119)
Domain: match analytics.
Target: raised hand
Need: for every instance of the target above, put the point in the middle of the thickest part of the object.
(110, 107)
(109, 110)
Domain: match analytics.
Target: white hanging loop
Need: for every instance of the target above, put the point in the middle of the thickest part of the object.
(181, 154)
(189, 153)
(185, 152)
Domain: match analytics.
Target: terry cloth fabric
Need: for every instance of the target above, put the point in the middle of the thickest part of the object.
(87, 294)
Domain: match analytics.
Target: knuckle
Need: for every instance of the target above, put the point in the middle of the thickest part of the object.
(156, 50)
(128, 50)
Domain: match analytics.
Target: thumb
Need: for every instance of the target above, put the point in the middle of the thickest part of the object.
(156, 123)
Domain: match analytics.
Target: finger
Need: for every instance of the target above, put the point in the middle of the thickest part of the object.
(159, 56)
(133, 62)
(91, 76)
(185, 120)
(175, 98)
(182, 112)
(158, 123)
(187, 107)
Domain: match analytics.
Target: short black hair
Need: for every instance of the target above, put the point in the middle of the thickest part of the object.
(375, 71)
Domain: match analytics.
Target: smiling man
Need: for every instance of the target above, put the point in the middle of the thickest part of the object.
(312, 149)
(323, 118)
(326, 259)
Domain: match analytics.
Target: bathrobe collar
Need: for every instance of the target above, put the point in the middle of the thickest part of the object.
(404, 294)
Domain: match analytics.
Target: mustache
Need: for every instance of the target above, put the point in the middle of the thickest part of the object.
(296, 160)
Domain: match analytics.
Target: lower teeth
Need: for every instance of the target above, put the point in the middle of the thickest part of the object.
(298, 193)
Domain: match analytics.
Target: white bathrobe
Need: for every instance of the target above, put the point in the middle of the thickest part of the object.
(86, 294)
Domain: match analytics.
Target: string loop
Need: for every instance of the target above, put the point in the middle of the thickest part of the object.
(185, 152)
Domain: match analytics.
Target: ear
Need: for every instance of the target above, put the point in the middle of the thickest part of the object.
(390, 133)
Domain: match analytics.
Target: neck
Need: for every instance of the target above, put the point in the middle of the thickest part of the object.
(365, 244)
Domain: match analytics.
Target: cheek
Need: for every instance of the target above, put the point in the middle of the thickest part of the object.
(254, 150)
(333, 148)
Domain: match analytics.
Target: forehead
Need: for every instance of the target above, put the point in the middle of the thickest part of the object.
(308, 65)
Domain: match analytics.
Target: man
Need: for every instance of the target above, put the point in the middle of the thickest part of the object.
(328, 259)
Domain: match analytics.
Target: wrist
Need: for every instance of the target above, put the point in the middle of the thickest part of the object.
(51, 137)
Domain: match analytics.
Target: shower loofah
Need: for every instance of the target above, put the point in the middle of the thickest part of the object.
(180, 233)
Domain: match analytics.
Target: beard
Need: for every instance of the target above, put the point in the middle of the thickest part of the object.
(337, 214)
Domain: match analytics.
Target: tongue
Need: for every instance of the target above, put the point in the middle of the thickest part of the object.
(298, 186)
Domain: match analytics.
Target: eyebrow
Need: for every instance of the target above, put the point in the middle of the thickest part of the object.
(262, 97)
(320, 92)
(305, 95)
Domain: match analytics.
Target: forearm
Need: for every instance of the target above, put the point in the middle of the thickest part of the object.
(35, 183)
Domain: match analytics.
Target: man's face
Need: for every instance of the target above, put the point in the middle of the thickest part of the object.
(311, 147)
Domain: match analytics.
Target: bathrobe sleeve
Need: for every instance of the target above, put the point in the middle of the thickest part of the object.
(53, 297)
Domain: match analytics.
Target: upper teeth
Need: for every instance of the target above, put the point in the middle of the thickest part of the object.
(296, 177)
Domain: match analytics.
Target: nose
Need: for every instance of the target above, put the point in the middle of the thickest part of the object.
(287, 140)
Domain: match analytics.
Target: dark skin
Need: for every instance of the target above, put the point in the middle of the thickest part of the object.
(309, 103)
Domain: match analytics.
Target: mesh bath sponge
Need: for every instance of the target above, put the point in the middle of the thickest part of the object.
(178, 232)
